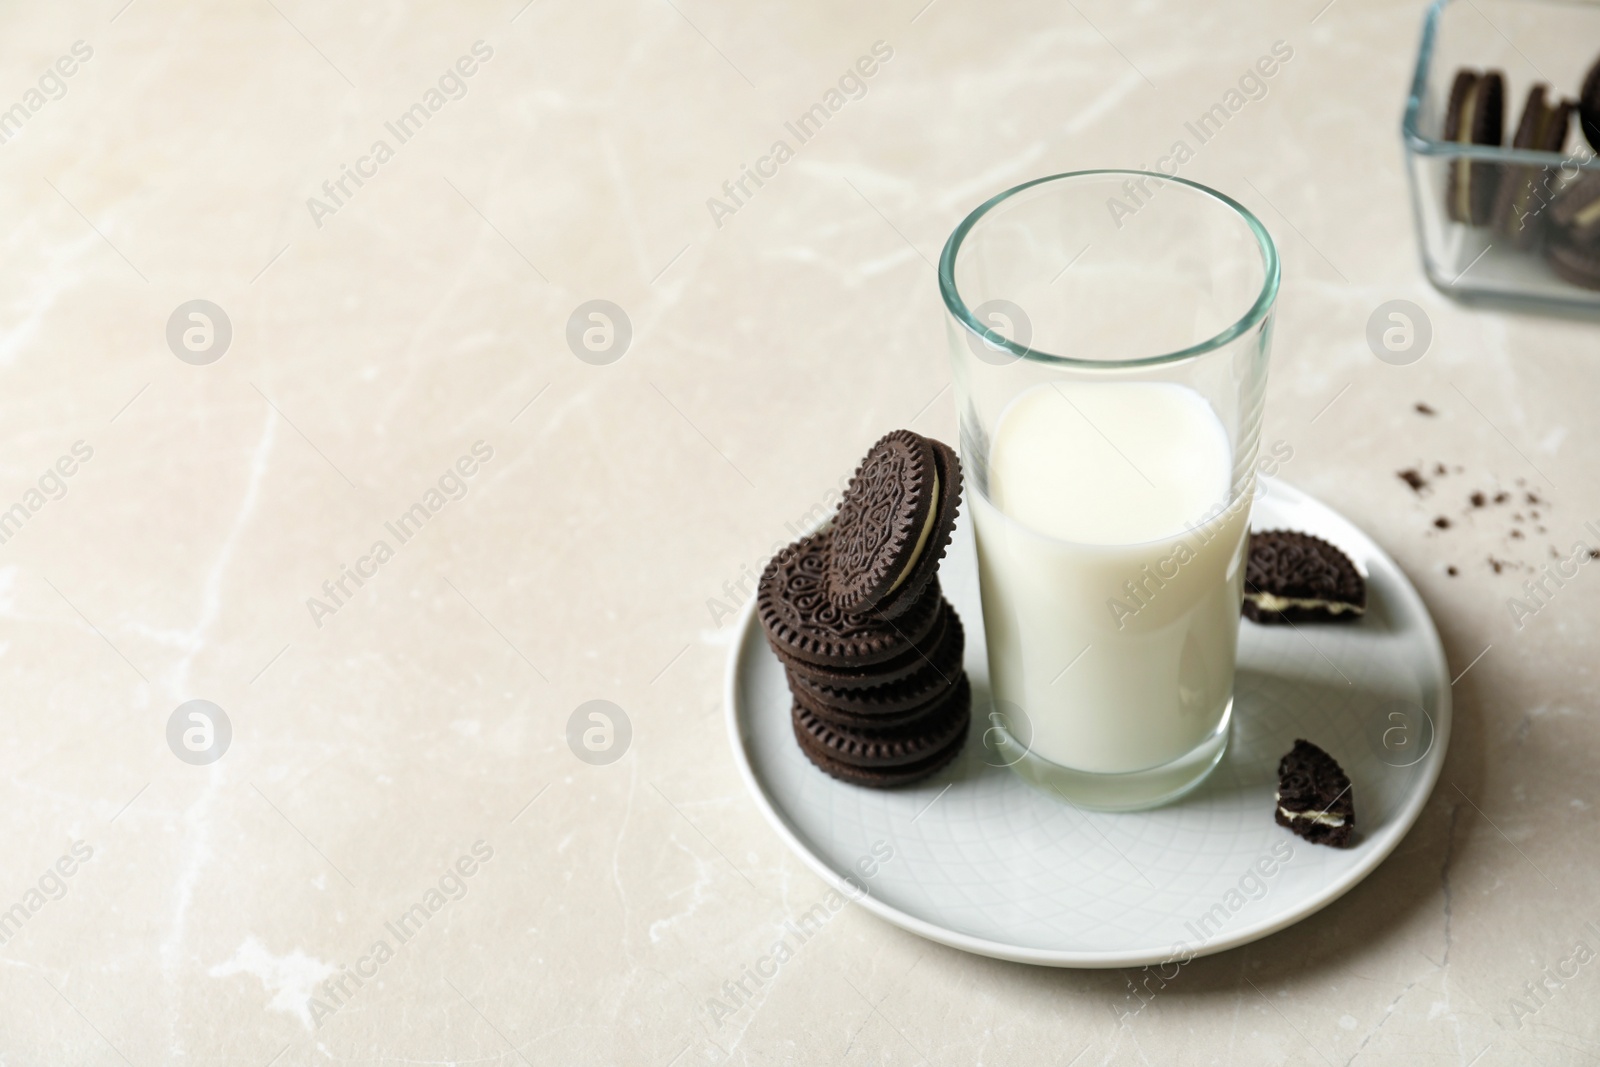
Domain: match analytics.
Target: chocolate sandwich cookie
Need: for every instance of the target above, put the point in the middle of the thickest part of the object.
(884, 705)
(1476, 115)
(802, 624)
(842, 757)
(916, 656)
(885, 518)
(882, 721)
(894, 525)
(1294, 577)
(1314, 799)
(910, 743)
(1589, 106)
(1524, 191)
(885, 777)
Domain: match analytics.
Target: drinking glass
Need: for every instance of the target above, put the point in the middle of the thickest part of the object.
(1109, 332)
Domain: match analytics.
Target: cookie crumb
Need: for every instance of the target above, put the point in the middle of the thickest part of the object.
(1498, 564)
(1440, 470)
(1425, 409)
(1501, 498)
(1479, 500)
(1442, 522)
(1451, 570)
(1412, 477)
(1517, 534)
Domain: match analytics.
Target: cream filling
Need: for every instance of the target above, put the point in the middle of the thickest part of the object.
(1321, 818)
(1464, 136)
(922, 540)
(1272, 602)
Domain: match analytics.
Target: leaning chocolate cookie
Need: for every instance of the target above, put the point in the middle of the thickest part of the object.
(1475, 115)
(1314, 799)
(1525, 191)
(885, 517)
(1294, 577)
(894, 525)
(924, 571)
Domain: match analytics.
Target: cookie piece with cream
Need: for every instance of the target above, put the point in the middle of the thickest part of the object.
(1314, 798)
(1294, 577)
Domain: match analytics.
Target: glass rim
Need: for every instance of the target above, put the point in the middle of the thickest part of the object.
(1423, 144)
(956, 304)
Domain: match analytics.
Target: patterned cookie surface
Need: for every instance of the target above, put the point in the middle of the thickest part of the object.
(882, 521)
(802, 624)
(925, 569)
(915, 656)
(1314, 796)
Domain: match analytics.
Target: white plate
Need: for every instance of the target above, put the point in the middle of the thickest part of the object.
(982, 862)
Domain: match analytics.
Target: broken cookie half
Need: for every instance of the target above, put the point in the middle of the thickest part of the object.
(1294, 577)
(1314, 797)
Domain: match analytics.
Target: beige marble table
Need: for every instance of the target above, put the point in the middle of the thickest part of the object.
(399, 769)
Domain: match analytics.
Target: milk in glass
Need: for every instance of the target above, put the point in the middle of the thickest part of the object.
(1111, 566)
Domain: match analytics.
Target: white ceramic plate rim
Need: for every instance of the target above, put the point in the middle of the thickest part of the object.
(1381, 845)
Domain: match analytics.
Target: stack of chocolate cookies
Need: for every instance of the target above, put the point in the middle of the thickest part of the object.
(872, 650)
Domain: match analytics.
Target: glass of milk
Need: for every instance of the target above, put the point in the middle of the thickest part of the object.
(1109, 332)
